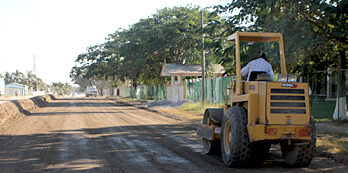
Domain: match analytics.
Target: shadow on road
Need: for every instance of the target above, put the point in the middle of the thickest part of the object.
(79, 98)
(148, 148)
(81, 104)
(128, 148)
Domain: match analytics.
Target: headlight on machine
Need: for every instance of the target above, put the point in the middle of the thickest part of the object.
(285, 78)
(282, 78)
(292, 78)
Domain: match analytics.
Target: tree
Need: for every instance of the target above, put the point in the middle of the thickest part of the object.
(315, 31)
(62, 88)
(8, 78)
(172, 35)
(18, 76)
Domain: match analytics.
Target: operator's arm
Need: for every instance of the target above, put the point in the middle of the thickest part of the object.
(245, 70)
(270, 71)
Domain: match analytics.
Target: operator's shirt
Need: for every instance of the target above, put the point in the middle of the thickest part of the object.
(259, 64)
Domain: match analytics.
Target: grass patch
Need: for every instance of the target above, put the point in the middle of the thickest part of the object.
(198, 107)
(192, 111)
(333, 143)
(194, 116)
(323, 110)
(323, 120)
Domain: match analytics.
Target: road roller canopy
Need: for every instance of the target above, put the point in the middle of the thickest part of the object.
(237, 37)
(256, 36)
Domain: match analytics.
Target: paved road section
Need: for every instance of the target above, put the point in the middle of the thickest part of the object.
(97, 135)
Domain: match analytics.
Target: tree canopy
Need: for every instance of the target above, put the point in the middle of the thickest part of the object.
(172, 35)
(61, 88)
(314, 32)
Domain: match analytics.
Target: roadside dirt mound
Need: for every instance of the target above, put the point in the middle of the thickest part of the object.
(12, 110)
(8, 111)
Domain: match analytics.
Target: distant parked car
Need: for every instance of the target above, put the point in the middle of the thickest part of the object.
(91, 91)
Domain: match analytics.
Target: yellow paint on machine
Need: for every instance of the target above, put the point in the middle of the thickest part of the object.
(271, 132)
(284, 106)
(297, 98)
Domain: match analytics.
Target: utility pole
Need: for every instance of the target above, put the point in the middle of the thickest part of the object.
(203, 61)
(34, 71)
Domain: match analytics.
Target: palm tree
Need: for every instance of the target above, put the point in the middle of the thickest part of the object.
(8, 78)
(29, 80)
(18, 76)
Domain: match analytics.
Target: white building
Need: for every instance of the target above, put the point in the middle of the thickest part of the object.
(2, 86)
(16, 89)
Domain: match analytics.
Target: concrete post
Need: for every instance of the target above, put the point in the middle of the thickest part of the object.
(172, 87)
(179, 79)
(208, 96)
(180, 88)
(217, 89)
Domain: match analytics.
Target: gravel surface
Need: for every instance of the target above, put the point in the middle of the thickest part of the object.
(97, 135)
(332, 127)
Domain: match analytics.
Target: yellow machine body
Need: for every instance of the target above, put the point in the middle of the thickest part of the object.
(276, 110)
(266, 111)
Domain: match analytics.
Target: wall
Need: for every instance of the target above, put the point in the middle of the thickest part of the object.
(2, 86)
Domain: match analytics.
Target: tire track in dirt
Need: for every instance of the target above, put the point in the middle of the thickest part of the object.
(96, 135)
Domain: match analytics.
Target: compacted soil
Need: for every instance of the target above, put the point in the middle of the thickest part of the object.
(98, 135)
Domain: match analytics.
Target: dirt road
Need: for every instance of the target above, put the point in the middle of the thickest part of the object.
(96, 135)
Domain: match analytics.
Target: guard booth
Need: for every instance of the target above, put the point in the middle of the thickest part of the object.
(175, 89)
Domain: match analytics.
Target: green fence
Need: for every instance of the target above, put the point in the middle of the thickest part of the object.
(214, 89)
(151, 92)
(321, 107)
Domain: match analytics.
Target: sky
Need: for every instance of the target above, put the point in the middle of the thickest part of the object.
(57, 31)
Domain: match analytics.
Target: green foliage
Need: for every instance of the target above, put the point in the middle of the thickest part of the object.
(61, 88)
(172, 35)
(29, 79)
(314, 30)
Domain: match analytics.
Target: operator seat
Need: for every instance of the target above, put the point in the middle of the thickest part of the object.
(259, 76)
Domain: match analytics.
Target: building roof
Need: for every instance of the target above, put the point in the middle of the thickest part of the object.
(181, 70)
(16, 86)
